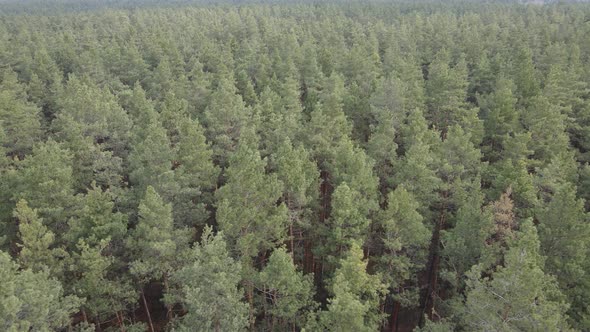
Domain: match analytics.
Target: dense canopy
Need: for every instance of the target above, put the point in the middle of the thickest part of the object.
(279, 166)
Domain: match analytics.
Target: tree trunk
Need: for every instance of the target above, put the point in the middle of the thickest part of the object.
(251, 304)
(147, 311)
(394, 314)
(97, 322)
(84, 315)
(166, 290)
(292, 241)
(120, 320)
(273, 321)
(428, 301)
(308, 264)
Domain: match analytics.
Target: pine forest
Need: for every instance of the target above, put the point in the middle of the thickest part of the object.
(273, 165)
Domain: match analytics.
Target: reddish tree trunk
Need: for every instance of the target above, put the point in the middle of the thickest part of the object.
(292, 241)
(120, 321)
(147, 311)
(98, 327)
(428, 301)
(308, 265)
(250, 298)
(394, 314)
(168, 306)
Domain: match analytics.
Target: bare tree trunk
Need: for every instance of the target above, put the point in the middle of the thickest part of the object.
(428, 301)
(292, 241)
(308, 264)
(121, 322)
(168, 306)
(250, 298)
(147, 311)
(97, 321)
(273, 322)
(394, 314)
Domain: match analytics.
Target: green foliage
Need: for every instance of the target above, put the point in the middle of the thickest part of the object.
(20, 119)
(446, 91)
(195, 174)
(287, 291)
(90, 271)
(32, 300)
(465, 244)
(417, 174)
(404, 241)
(563, 232)
(95, 112)
(500, 117)
(36, 241)
(209, 282)
(44, 180)
(247, 210)
(348, 223)
(97, 220)
(519, 295)
(154, 242)
(225, 118)
(425, 134)
(547, 127)
(355, 298)
(150, 162)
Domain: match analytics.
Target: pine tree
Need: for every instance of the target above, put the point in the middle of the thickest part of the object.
(129, 66)
(44, 180)
(224, 119)
(300, 177)
(36, 242)
(32, 301)
(348, 223)
(20, 119)
(199, 87)
(564, 229)
(459, 158)
(464, 245)
(547, 127)
(525, 76)
(400, 249)
(446, 91)
(388, 110)
(46, 82)
(352, 166)
(172, 113)
(195, 174)
(500, 117)
(269, 115)
(287, 293)
(156, 248)
(247, 209)
(514, 175)
(354, 304)
(211, 294)
(97, 113)
(328, 125)
(403, 245)
(90, 278)
(141, 110)
(416, 171)
(151, 162)
(97, 220)
(153, 243)
(517, 296)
